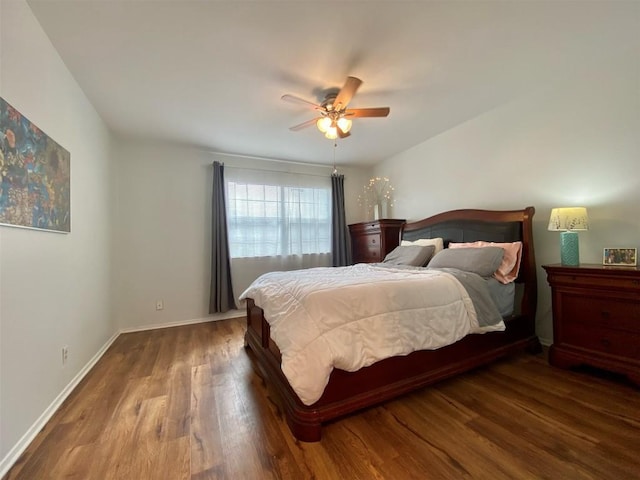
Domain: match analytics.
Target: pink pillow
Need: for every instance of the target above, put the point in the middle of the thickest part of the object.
(508, 270)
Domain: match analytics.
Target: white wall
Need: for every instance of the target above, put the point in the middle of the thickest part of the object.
(574, 143)
(54, 288)
(163, 238)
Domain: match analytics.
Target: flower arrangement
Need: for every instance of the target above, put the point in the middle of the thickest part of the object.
(377, 196)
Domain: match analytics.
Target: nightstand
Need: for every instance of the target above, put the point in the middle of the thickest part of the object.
(596, 317)
(371, 241)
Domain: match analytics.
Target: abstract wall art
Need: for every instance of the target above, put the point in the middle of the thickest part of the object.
(35, 180)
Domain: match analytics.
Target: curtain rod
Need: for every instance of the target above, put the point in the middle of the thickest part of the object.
(277, 160)
(276, 171)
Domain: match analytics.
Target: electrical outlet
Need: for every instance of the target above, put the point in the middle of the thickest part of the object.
(159, 304)
(65, 354)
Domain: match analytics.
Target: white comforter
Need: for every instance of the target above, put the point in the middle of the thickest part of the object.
(351, 317)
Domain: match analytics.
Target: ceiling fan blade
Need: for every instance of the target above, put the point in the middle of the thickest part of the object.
(306, 124)
(346, 93)
(367, 112)
(294, 99)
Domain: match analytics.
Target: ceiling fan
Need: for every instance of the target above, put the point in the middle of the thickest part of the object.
(334, 118)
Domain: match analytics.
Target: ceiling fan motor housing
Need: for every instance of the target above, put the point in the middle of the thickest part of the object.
(329, 100)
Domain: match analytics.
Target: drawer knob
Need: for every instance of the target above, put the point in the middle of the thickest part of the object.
(605, 342)
(605, 314)
(373, 241)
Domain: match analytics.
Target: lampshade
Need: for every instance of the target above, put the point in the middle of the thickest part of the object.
(332, 132)
(323, 124)
(344, 124)
(568, 218)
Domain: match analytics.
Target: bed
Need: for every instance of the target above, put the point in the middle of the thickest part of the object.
(350, 391)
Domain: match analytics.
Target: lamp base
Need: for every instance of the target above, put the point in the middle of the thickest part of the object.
(569, 249)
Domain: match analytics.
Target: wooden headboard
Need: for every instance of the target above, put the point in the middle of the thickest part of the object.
(490, 226)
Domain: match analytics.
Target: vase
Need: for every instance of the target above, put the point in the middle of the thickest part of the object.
(384, 209)
(376, 211)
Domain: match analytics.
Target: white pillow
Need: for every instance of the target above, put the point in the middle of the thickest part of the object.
(436, 242)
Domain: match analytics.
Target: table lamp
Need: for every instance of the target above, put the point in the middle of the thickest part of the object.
(569, 220)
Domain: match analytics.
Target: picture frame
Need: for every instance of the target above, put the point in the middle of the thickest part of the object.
(624, 257)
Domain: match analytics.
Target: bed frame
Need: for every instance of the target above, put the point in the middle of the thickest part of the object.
(348, 392)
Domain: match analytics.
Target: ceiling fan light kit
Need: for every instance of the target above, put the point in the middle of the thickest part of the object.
(333, 121)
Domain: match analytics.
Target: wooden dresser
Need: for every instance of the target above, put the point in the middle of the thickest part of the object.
(596, 317)
(371, 241)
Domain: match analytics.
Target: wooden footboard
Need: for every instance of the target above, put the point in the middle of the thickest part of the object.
(348, 392)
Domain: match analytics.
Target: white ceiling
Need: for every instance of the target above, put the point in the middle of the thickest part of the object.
(211, 73)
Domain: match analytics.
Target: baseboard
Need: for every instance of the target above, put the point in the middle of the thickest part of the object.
(213, 318)
(18, 449)
(545, 342)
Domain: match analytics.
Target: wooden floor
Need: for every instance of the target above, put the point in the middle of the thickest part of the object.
(185, 403)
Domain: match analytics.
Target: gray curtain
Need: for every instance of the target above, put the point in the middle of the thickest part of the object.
(221, 297)
(339, 233)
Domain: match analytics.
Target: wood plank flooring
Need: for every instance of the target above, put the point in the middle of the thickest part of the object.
(185, 403)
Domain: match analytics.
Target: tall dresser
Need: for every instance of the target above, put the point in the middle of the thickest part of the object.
(371, 241)
(596, 317)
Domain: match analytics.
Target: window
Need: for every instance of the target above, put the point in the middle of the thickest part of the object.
(273, 213)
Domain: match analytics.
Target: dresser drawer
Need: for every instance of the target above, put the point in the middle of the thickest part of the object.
(367, 228)
(366, 241)
(617, 314)
(371, 255)
(372, 240)
(600, 339)
(608, 282)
